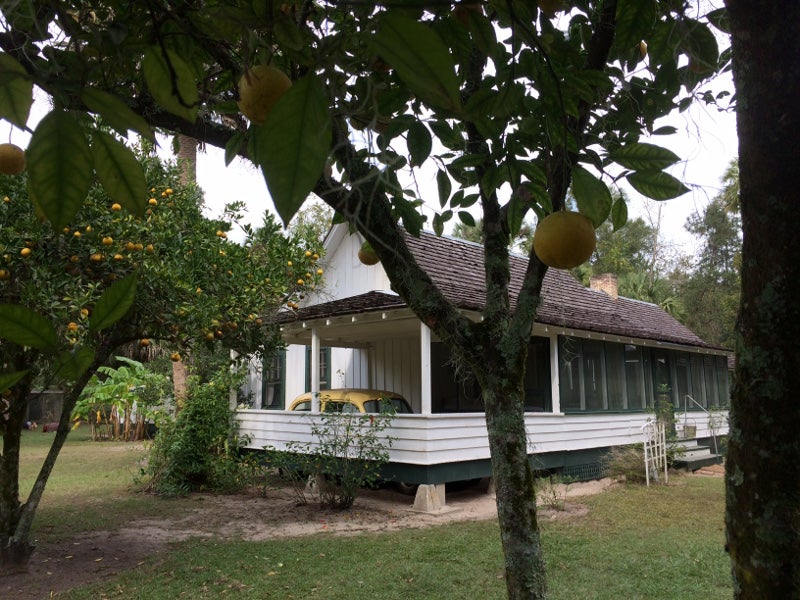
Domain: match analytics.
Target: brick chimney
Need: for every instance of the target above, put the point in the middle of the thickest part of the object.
(606, 282)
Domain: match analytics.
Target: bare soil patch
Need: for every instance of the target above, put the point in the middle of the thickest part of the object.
(58, 567)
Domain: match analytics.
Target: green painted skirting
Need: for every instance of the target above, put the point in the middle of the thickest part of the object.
(579, 465)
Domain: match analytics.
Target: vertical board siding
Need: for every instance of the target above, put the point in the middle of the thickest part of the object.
(397, 367)
(345, 275)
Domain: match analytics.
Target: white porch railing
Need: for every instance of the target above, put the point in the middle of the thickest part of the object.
(447, 438)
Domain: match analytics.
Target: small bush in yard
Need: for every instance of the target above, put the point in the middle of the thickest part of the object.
(200, 447)
(626, 462)
(348, 452)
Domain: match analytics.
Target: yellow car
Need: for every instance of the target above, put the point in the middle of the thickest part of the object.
(354, 401)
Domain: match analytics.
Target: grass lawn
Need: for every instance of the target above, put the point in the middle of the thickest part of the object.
(635, 542)
(90, 486)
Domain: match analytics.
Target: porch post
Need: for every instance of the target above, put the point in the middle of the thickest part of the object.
(314, 370)
(425, 368)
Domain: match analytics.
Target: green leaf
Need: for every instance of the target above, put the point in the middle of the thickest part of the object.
(9, 380)
(233, 146)
(634, 19)
(16, 91)
(466, 218)
(116, 113)
(115, 302)
(483, 34)
(532, 171)
(438, 224)
(700, 44)
(641, 156)
(171, 82)
(619, 213)
(59, 167)
(420, 57)
(515, 215)
(665, 130)
(719, 19)
(592, 195)
(294, 143)
(71, 365)
(445, 186)
(419, 143)
(23, 326)
(656, 185)
(121, 175)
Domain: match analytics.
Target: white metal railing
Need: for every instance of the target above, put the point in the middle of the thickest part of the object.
(712, 425)
(655, 450)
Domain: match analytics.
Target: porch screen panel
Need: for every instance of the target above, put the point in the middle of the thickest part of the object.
(444, 387)
(615, 375)
(724, 383)
(698, 383)
(710, 375)
(537, 376)
(569, 378)
(594, 381)
(683, 379)
(635, 384)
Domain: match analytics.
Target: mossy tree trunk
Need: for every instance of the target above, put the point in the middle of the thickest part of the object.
(763, 466)
(16, 518)
(14, 552)
(187, 166)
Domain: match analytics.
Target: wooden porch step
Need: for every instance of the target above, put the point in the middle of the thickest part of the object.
(717, 470)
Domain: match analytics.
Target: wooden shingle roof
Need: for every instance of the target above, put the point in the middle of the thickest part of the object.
(456, 266)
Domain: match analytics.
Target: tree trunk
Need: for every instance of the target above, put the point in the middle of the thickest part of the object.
(187, 159)
(179, 382)
(17, 518)
(763, 466)
(187, 166)
(14, 553)
(516, 497)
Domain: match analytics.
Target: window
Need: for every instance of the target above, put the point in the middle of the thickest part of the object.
(324, 368)
(273, 378)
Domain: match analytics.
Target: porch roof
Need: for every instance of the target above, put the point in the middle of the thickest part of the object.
(456, 267)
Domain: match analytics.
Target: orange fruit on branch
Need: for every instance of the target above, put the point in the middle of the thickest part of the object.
(564, 240)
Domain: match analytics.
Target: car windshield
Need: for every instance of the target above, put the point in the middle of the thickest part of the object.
(335, 406)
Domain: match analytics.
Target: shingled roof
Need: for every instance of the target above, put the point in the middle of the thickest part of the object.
(456, 266)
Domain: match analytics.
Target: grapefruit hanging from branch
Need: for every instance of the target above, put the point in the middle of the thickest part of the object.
(260, 88)
(564, 239)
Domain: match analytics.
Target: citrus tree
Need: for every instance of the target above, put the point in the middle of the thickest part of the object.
(70, 296)
(505, 104)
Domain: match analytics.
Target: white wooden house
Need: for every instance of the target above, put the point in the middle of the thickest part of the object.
(595, 363)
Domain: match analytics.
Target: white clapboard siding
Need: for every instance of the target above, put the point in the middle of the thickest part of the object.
(442, 439)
